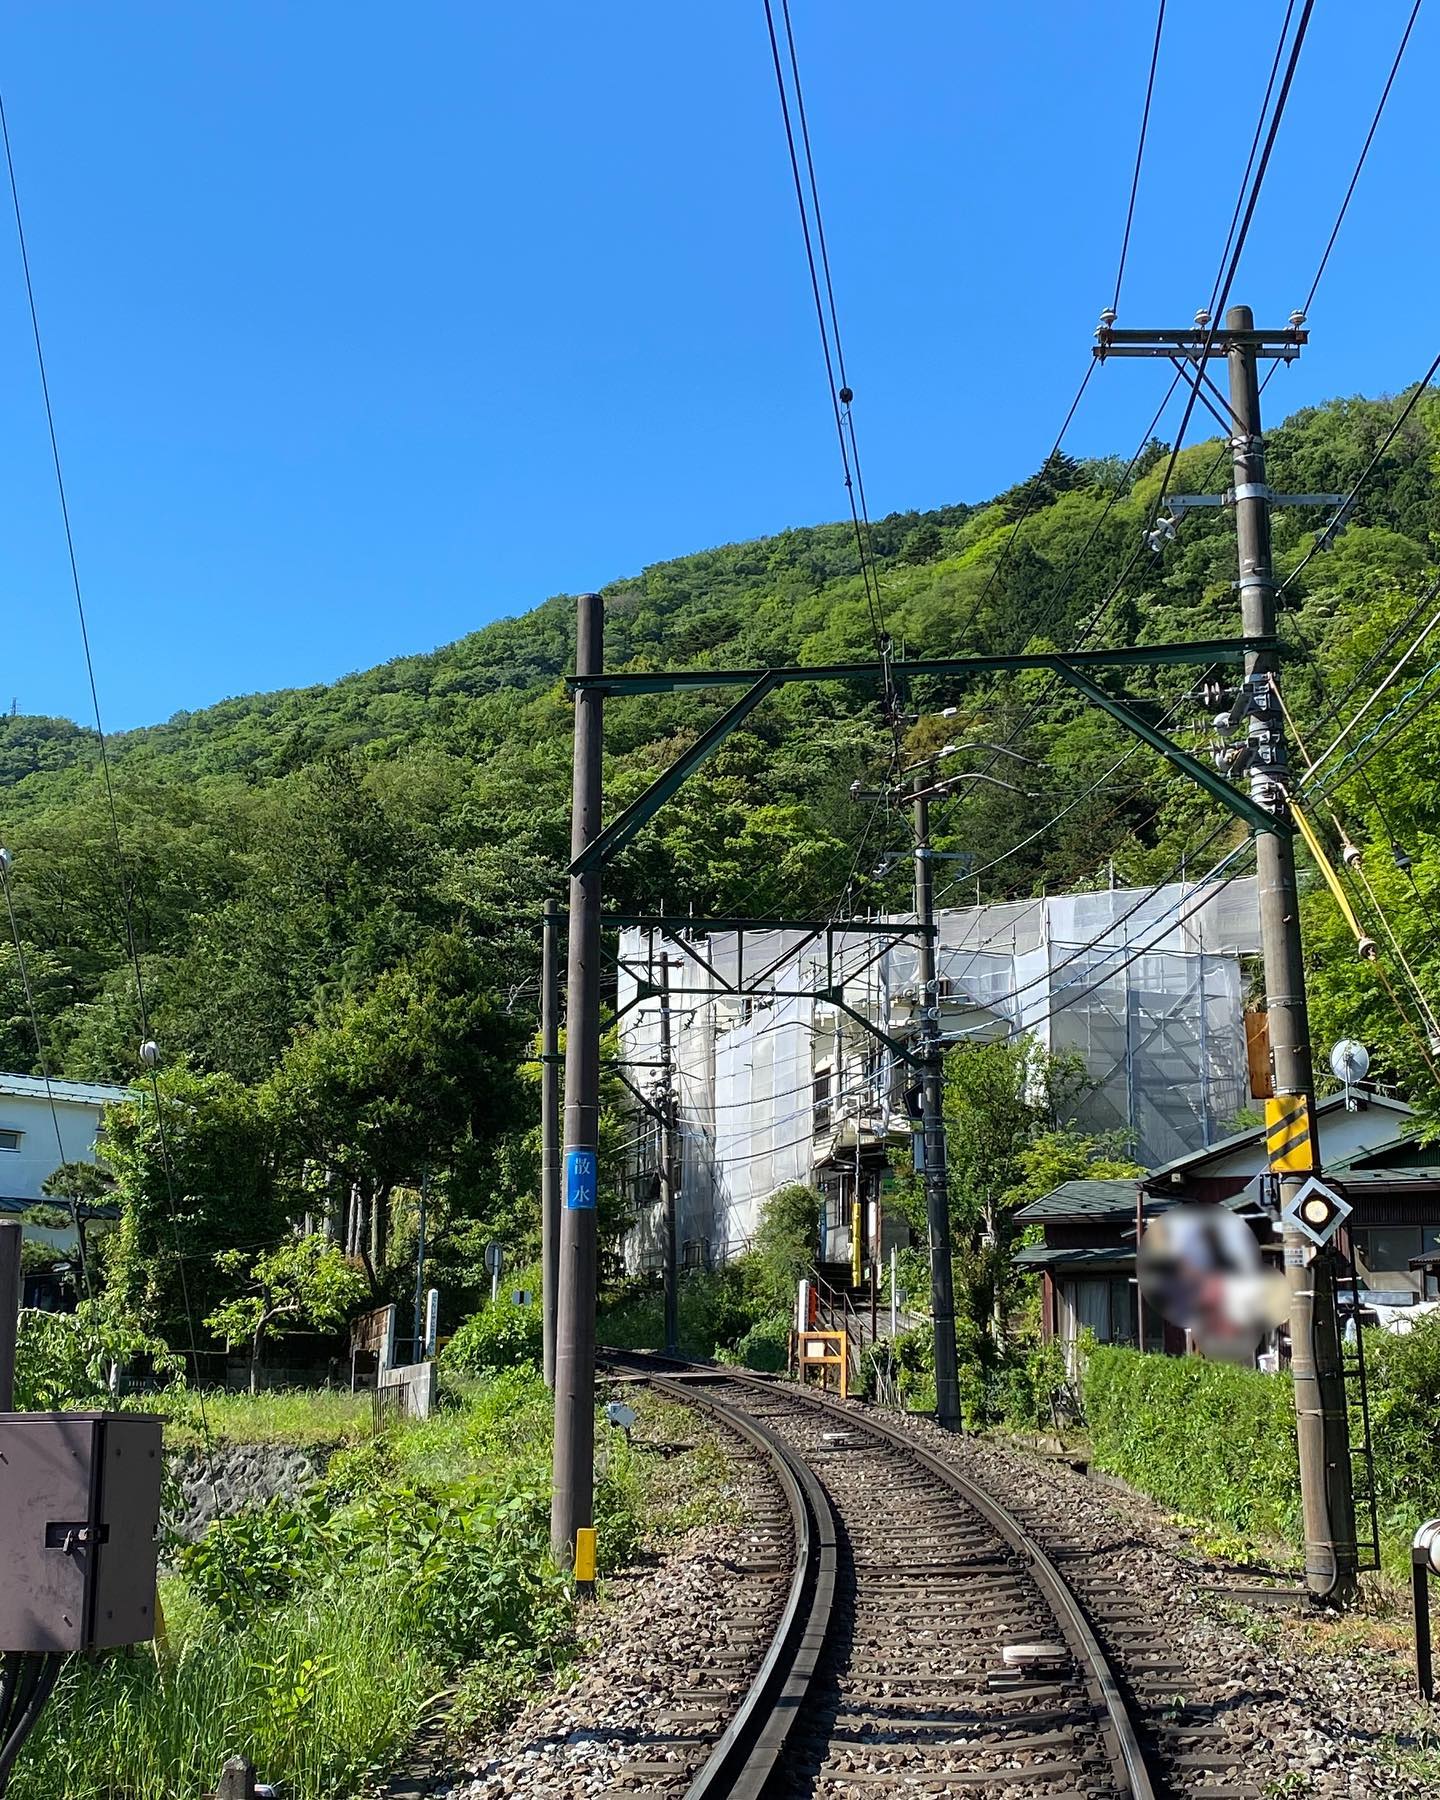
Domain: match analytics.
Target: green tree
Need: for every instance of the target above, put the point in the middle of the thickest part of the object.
(194, 1178)
(785, 1245)
(305, 1281)
(1001, 1100)
(407, 1080)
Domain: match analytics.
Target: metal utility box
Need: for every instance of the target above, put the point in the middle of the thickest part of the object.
(79, 1511)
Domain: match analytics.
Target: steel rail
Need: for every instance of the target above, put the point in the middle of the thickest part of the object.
(746, 1755)
(1119, 1734)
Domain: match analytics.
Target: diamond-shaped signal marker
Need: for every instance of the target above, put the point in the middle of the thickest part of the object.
(1316, 1211)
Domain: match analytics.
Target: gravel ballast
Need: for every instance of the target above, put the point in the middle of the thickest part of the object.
(1294, 1715)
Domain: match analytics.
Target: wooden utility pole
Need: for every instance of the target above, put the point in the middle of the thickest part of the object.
(572, 1499)
(932, 1130)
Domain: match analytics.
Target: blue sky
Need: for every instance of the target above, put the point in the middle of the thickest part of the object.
(368, 324)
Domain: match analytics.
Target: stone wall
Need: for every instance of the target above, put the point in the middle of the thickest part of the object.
(241, 1476)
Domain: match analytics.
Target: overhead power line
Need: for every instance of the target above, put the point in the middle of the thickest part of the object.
(1235, 239)
(1239, 232)
(1140, 154)
(1326, 531)
(122, 875)
(1330, 749)
(841, 394)
(1360, 163)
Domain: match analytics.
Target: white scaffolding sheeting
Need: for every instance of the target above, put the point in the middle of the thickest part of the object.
(1146, 987)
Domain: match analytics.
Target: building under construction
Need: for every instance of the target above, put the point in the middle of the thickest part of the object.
(775, 1049)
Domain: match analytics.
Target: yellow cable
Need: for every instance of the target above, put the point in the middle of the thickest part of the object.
(1332, 880)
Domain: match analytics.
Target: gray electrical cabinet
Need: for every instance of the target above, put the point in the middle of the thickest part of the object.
(79, 1512)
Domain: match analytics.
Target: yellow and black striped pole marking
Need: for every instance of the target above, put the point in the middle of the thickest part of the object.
(1290, 1134)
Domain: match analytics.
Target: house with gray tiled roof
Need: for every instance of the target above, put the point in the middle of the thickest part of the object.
(1084, 1232)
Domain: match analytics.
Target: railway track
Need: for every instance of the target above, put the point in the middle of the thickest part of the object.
(927, 1642)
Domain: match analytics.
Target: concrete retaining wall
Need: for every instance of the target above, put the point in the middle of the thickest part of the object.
(241, 1476)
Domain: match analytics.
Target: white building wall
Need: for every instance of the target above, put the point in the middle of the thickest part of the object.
(22, 1171)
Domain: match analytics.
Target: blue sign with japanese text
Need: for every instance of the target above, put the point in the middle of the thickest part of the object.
(582, 1180)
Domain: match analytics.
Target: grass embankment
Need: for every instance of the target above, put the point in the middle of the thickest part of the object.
(1217, 1443)
(315, 1638)
(277, 1416)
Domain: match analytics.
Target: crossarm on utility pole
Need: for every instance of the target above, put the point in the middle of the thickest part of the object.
(1213, 783)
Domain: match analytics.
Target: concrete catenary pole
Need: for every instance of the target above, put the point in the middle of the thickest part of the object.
(572, 1500)
(549, 1129)
(669, 1166)
(932, 1114)
(1322, 1424)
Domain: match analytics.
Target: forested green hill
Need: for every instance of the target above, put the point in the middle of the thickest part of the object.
(298, 858)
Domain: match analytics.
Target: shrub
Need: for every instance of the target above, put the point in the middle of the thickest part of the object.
(716, 1310)
(500, 1336)
(251, 1563)
(1404, 1380)
(766, 1345)
(1034, 1391)
(914, 1353)
(1202, 1437)
(63, 1360)
(786, 1244)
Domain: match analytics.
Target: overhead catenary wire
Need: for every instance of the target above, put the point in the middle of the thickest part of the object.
(1200, 895)
(845, 388)
(840, 392)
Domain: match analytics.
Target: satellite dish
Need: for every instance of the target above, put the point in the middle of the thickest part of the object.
(1349, 1062)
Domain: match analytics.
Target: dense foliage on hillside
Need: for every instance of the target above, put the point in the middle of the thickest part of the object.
(336, 888)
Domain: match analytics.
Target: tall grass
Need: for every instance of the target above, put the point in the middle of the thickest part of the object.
(303, 1416)
(324, 1692)
(313, 1638)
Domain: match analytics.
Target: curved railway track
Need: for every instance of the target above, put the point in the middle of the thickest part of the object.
(927, 1642)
